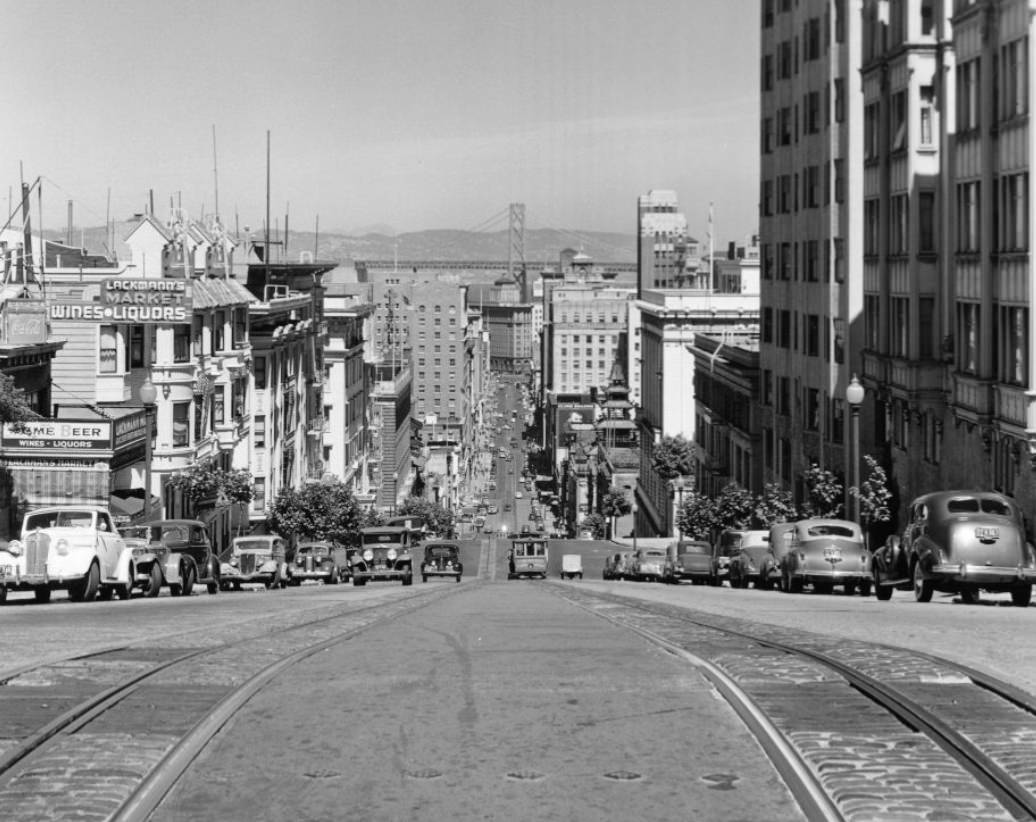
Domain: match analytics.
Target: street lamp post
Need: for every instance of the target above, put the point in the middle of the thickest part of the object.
(395, 491)
(148, 394)
(854, 396)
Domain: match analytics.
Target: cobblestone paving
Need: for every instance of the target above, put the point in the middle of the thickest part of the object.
(1015, 751)
(94, 670)
(82, 777)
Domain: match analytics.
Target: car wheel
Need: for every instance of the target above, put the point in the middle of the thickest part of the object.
(42, 595)
(794, 584)
(335, 577)
(408, 580)
(865, 588)
(125, 591)
(849, 587)
(188, 581)
(3, 594)
(105, 593)
(359, 583)
(458, 577)
(213, 587)
(969, 595)
(86, 590)
(1021, 596)
(923, 588)
(154, 582)
(763, 583)
(822, 587)
(882, 592)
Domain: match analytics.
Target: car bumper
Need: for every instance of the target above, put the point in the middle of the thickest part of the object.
(442, 572)
(826, 575)
(982, 574)
(304, 575)
(13, 579)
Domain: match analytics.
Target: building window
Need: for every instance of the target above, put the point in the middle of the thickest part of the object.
(259, 431)
(240, 326)
(968, 216)
(968, 336)
(926, 327)
(259, 369)
(1014, 210)
(218, 400)
(181, 343)
(108, 351)
(968, 96)
(811, 112)
(927, 132)
(839, 86)
(871, 225)
(899, 324)
(899, 121)
(811, 409)
(899, 228)
(181, 424)
(1014, 78)
(1014, 345)
(136, 346)
(259, 494)
(812, 335)
(871, 131)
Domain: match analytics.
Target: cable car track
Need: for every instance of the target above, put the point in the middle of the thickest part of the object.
(82, 690)
(937, 699)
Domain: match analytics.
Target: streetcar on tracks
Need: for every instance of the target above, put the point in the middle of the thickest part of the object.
(527, 557)
(385, 554)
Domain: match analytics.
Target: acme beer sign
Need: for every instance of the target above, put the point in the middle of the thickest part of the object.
(58, 435)
(132, 301)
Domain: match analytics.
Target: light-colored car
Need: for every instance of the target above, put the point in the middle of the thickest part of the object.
(256, 558)
(746, 567)
(647, 564)
(825, 553)
(959, 542)
(781, 536)
(688, 559)
(71, 547)
(571, 566)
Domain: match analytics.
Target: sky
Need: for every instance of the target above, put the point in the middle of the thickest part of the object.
(414, 115)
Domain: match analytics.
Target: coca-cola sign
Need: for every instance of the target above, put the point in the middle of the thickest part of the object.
(24, 322)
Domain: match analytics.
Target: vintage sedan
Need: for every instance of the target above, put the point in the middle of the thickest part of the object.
(746, 567)
(728, 547)
(616, 566)
(688, 559)
(959, 542)
(781, 536)
(441, 559)
(319, 561)
(824, 553)
(258, 558)
(71, 547)
(173, 552)
(647, 564)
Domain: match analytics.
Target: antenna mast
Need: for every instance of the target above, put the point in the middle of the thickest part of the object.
(215, 172)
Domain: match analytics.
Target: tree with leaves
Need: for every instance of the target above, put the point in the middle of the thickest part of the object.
(614, 504)
(673, 457)
(438, 519)
(775, 504)
(594, 523)
(205, 480)
(697, 517)
(13, 405)
(825, 494)
(320, 510)
(735, 507)
(873, 497)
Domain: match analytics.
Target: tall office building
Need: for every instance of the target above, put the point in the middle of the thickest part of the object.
(666, 256)
(810, 233)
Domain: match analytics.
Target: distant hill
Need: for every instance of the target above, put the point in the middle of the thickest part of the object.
(542, 245)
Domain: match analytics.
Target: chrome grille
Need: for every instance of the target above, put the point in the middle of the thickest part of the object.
(246, 562)
(37, 546)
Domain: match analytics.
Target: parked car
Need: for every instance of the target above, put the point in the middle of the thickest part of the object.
(746, 567)
(614, 566)
(175, 553)
(727, 547)
(959, 542)
(824, 553)
(647, 564)
(318, 560)
(688, 559)
(385, 555)
(71, 547)
(571, 566)
(781, 536)
(441, 559)
(257, 558)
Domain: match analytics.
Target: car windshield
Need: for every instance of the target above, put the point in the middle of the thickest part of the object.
(830, 531)
(174, 533)
(252, 545)
(654, 554)
(60, 519)
(695, 548)
(441, 551)
(135, 532)
(313, 550)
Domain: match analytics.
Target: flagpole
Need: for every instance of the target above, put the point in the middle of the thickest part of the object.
(711, 246)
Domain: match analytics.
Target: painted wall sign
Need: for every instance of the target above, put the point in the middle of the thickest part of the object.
(132, 301)
(58, 435)
(24, 322)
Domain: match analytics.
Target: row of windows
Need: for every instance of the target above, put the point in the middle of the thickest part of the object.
(188, 340)
(796, 332)
(899, 227)
(807, 261)
(815, 37)
(815, 409)
(790, 193)
(789, 123)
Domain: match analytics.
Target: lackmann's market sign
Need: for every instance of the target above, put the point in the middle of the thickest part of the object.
(131, 301)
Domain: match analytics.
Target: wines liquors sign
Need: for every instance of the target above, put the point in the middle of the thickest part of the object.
(131, 301)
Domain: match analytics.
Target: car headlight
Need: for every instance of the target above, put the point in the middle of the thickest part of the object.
(62, 547)
(233, 563)
(368, 555)
(391, 554)
(15, 548)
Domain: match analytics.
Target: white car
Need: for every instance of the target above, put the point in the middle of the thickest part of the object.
(74, 547)
(517, 494)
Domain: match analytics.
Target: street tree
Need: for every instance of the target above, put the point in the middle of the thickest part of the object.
(672, 457)
(14, 406)
(594, 523)
(438, 519)
(874, 497)
(697, 517)
(735, 507)
(320, 510)
(825, 493)
(614, 504)
(205, 480)
(775, 504)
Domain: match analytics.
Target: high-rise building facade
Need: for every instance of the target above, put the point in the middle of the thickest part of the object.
(666, 256)
(811, 144)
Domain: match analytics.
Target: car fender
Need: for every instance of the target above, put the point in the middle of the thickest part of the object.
(171, 569)
(890, 558)
(124, 565)
(925, 552)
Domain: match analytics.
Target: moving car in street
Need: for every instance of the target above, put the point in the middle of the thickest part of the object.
(959, 542)
(385, 554)
(688, 559)
(527, 558)
(571, 566)
(173, 552)
(317, 560)
(256, 558)
(825, 553)
(71, 547)
(441, 559)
